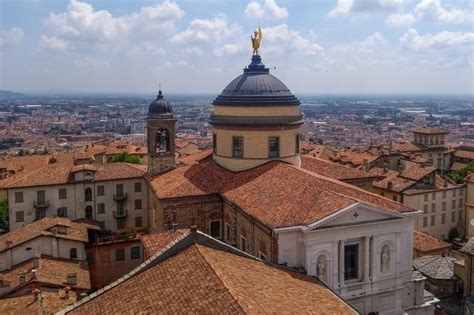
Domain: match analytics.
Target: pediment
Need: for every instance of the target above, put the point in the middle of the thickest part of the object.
(356, 214)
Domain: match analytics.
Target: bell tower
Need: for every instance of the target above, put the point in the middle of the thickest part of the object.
(160, 136)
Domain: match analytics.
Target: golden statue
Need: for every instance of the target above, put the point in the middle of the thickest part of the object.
(256, 40)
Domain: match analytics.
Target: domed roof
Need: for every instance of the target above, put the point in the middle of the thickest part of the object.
(160, 106)
(256, 86)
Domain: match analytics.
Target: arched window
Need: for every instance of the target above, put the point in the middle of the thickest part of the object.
(88, 194)
(162, 140)
(73, 253)
(89, 212)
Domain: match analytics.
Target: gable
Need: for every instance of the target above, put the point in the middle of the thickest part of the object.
(356, 214)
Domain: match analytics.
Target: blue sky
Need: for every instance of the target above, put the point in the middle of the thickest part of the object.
(317, 47)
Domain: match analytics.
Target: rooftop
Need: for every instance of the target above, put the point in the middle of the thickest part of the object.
(426, 243)
(333, 170)
(432, 131)
(436, 267)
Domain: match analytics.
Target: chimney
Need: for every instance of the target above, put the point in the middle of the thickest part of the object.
(37, 295)
(390, 185)
(193, 228)
(365, 165)
(8, 243)
(174, 226)
(72, 279)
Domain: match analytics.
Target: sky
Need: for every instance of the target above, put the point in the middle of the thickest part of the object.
(198, 46)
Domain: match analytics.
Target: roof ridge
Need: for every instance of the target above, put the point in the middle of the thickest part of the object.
(197, 246)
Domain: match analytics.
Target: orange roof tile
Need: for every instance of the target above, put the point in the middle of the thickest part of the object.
(426, 243)
(154, 242)
(464, 154)
(201, 279)
(196, 157)
(426, 130)
(51, 301)
(417, 172)
(332, 170)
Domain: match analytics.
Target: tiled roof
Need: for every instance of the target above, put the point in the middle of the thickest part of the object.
(436, 267)
(355, 157)
(276, 193)
(407, 147)
(211, 277)
(457, 166)
(154, 242)
(464, 154)
(117, 148)
(394, 183)
(59, 175)
(417, 172)
(75, 231)
(469, 246)
(332, 170)
(51, 301)
(195, 157)
(84, 167)
(426, 243)
(426, 130)
(50, 271)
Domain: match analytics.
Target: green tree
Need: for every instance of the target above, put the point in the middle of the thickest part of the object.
(459, 175)
(126, 157)
(4, 226)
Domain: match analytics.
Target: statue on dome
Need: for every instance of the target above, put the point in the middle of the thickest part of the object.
(256, 39)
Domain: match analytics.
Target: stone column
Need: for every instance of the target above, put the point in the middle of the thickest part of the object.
(341, 263)
(366, 259)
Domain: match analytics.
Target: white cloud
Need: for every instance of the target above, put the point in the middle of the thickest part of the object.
(194, 51)
(89, 62)
(228, 50)
(81, 23)
(433, 10)
(413, 41)
(269, 10)
(400, 19)
(201, 30)
(11, 37)
(181, 63)
(346, 7)
(280, 40)
(54, 44)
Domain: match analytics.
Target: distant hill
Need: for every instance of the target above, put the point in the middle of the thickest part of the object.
(10, 94)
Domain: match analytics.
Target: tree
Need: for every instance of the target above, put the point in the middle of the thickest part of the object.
(459, 175)
(126, 157)
(4, 225)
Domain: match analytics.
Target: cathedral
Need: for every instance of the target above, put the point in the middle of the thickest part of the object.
(253, 194)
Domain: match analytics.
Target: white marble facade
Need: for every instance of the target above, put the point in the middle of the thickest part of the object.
(364, 253)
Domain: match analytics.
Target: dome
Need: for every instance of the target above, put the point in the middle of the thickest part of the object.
(160, 106)
(257, 87)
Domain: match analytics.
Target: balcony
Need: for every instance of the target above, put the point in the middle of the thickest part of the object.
(41, 204)
(120, 214)
(120, 197)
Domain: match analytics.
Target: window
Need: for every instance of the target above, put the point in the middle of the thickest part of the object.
(89, 214)
(443, 218)
(262, 256)
(443, 206)
(227, 232)
(41, 197)
(273, 147)
(433, 196)
(119, 189)
(138, 204)
(215, 228)
(20, 216)
(18, 197)
(351, 262)
(454, 192)
(62, 193)
(433, 207)
(138, 222)
(395, 198)
(444, 194)
(461, 192)
(88, 194)
(238, 147)
(426, 197)
(101, 208)
(297, 144)
(425, 208)
(100, 190)
(214, 143)
(460, 215)
(73, 253)
(453, 204)
(243, 243)
(120, 224)
(62, 212)
(135, 252)
(120, 254)
(425, 221)
(460, 203)
(138, 187)
(22, 279)
(453, 216)
(433, 220)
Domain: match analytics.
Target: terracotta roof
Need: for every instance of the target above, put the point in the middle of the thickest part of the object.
(355, 156)
(276, 193)
(426, 243)
(51, 301)
(213, 278)
(457, 166)
(154, 242)
(436, 267)
(332, 170)
(59, 175)
(117, 148)
(394, 182)
(407, 147)
(426, 130)
(75, 231)
(48, 270)
(417, 172)
(196, 157)
(464, 154)
(84, 167)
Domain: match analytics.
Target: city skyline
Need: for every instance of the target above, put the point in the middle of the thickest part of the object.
(324, 47)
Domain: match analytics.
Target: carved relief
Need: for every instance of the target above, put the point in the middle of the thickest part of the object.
(385, 259)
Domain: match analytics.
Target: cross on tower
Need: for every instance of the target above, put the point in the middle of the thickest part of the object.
(356, 216)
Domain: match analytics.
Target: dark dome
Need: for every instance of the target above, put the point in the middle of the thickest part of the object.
(256, 86)
(160, 106)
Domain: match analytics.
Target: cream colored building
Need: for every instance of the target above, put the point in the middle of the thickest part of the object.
(113, 194)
